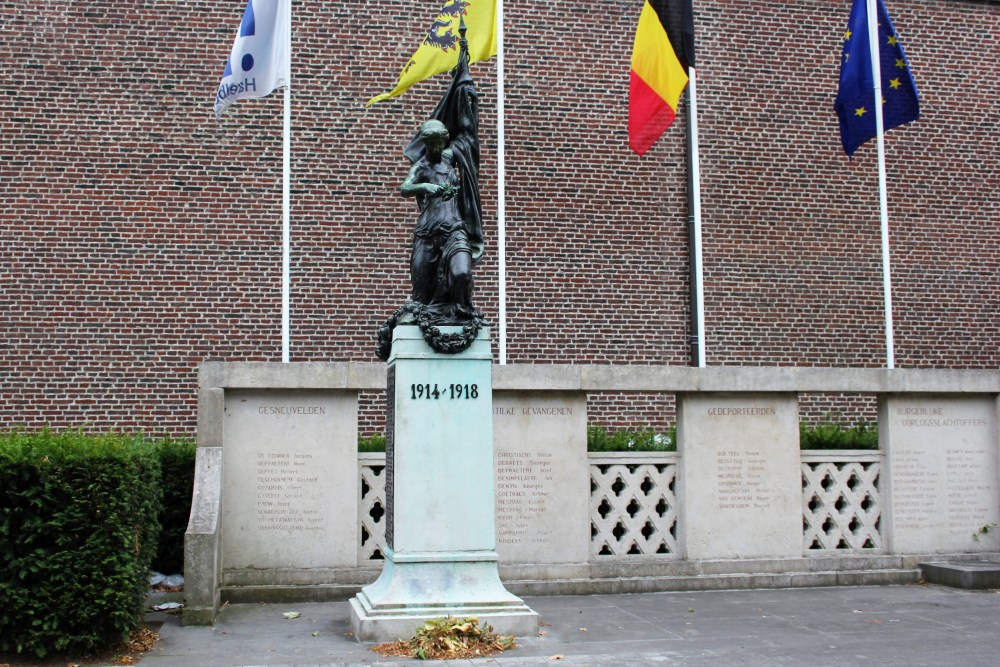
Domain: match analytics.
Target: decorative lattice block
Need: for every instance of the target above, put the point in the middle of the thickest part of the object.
(633, 508)
(841, 504)
(372, 508)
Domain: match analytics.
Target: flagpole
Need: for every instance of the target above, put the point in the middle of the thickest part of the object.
(286, 233)
(694, 204)
(501, 192)
(883, 198)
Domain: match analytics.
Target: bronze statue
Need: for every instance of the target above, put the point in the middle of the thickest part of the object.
(448, 237)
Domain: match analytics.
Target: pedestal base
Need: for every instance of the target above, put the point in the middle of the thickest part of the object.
(441, 555)
(414, 588)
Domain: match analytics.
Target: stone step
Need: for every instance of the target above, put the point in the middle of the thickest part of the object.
(608, 585)
(963, 574)
(713, 582)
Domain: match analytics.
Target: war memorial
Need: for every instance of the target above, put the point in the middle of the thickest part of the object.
(162, 313)
(486, 490)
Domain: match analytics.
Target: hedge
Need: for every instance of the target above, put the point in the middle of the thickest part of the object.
(833, 435)
(177, 460)
(78, 530)
(826, 435)
(599, 440)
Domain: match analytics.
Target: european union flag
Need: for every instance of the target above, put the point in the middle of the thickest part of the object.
(855, 103)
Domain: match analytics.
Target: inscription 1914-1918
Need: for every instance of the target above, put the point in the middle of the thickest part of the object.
(427, 391)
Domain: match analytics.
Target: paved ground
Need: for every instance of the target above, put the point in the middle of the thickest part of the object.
(891, 625)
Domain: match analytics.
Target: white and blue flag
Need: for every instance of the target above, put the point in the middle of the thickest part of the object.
(261, 59)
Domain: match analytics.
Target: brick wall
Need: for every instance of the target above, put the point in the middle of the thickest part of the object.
(140, 236)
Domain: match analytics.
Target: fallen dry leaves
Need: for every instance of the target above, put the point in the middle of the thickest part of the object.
(142, 640)
(449, 638)
(404, 650)
(168, 589)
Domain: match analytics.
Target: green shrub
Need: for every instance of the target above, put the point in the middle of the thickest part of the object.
(832, 435)
(78, 530)
(598, 440)
(375, 443)
(177, 459)
(648, 440)
(827, 435)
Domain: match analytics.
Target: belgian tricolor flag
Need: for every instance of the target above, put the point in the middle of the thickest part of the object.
(661, 56)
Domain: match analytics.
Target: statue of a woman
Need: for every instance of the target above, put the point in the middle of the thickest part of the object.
(444, 178)
(441, 258)
(448, 237)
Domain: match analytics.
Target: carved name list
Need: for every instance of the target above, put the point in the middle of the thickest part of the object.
(524, 481)
(287, 492)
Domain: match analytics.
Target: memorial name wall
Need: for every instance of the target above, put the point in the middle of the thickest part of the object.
(537, 462)
(287, 495)
(277, 501)
(742, 480)
(944, 473)
(284, 479)
(740, 476)
(523, 489)
(542, 477)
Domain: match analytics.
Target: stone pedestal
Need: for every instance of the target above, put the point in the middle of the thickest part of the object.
(441, 555)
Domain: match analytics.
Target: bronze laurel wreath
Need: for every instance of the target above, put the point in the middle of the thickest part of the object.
(445, 343)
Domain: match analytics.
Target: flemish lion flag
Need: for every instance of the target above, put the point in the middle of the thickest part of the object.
(662, 53)
(439, 51)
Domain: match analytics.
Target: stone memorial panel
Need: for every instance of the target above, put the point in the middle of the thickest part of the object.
(740, 475)
(540, 462)
(943, 473)
(285, 482)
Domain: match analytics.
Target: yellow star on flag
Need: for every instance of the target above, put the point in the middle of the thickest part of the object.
(897, 102)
